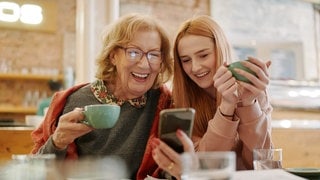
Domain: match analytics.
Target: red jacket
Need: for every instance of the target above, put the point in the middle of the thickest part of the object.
(48, 126)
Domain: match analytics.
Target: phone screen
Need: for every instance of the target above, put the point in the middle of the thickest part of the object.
(173, 119)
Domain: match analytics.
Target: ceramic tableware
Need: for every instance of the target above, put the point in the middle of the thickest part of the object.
(101, 116)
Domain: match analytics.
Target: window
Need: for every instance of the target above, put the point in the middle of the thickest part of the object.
(285, 31)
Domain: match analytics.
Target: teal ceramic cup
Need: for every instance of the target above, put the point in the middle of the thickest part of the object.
(101, 116)
(239, 77)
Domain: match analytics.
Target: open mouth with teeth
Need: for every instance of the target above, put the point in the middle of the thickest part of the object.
(201, 74)
(139, 76)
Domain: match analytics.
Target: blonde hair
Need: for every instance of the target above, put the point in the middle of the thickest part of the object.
(120, 33)
(187, 93)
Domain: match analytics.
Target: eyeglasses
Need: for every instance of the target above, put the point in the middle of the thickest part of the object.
(135, 55)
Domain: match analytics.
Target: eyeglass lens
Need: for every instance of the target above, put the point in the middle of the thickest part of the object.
(135, 54)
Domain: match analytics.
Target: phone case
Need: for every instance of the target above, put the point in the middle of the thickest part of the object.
(173, 119)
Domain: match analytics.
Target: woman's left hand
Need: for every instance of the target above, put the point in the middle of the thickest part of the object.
(249, 92)
(168, 159)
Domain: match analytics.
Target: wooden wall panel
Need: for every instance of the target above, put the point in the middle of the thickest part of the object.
(301, 147)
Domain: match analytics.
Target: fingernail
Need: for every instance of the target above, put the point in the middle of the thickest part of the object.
(152, 145)
(155, 142)
(179, 133)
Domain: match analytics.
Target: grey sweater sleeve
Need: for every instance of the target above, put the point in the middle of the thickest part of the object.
(49, 148)
(80, 98)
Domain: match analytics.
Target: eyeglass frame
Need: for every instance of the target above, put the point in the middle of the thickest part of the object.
(143, 53)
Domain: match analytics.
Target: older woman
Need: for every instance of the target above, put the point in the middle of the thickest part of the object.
(133, 66)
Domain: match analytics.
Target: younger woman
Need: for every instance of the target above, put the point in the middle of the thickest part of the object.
(230, 115)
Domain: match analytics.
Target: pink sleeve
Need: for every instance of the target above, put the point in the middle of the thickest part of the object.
(255, 127)
(250, 129)
(220, 136)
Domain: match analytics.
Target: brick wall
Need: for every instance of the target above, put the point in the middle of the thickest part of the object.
(27, 49)
(23, 50)
(170, 12)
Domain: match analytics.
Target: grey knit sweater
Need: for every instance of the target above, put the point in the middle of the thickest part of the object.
(127, 139)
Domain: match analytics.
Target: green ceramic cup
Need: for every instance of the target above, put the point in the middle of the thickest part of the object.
(101, 116)
(239, 77)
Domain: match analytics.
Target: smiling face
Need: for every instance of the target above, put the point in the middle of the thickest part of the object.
(196, 54)
(135, 78)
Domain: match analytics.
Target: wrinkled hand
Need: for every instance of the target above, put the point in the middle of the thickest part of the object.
(168, 159)
(249, 92)
(69, 128)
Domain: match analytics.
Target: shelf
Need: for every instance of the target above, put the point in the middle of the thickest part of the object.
(10, 109)
(18, 109)
(29, 76)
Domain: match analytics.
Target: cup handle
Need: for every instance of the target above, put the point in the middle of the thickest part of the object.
(84, 120)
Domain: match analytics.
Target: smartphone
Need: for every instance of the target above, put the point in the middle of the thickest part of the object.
(173, 119)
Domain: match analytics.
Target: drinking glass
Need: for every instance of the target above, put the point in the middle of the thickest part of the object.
(212, 165)
(267, 159)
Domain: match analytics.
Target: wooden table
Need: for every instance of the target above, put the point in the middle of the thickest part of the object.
(15, 140)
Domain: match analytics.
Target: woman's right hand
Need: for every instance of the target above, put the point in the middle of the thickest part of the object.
(226, 85)
(69, 128)
(166, 158)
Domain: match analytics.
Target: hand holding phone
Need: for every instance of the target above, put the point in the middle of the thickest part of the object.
(173, 119)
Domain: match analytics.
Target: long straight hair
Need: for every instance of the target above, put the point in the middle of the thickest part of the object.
(187, 93)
